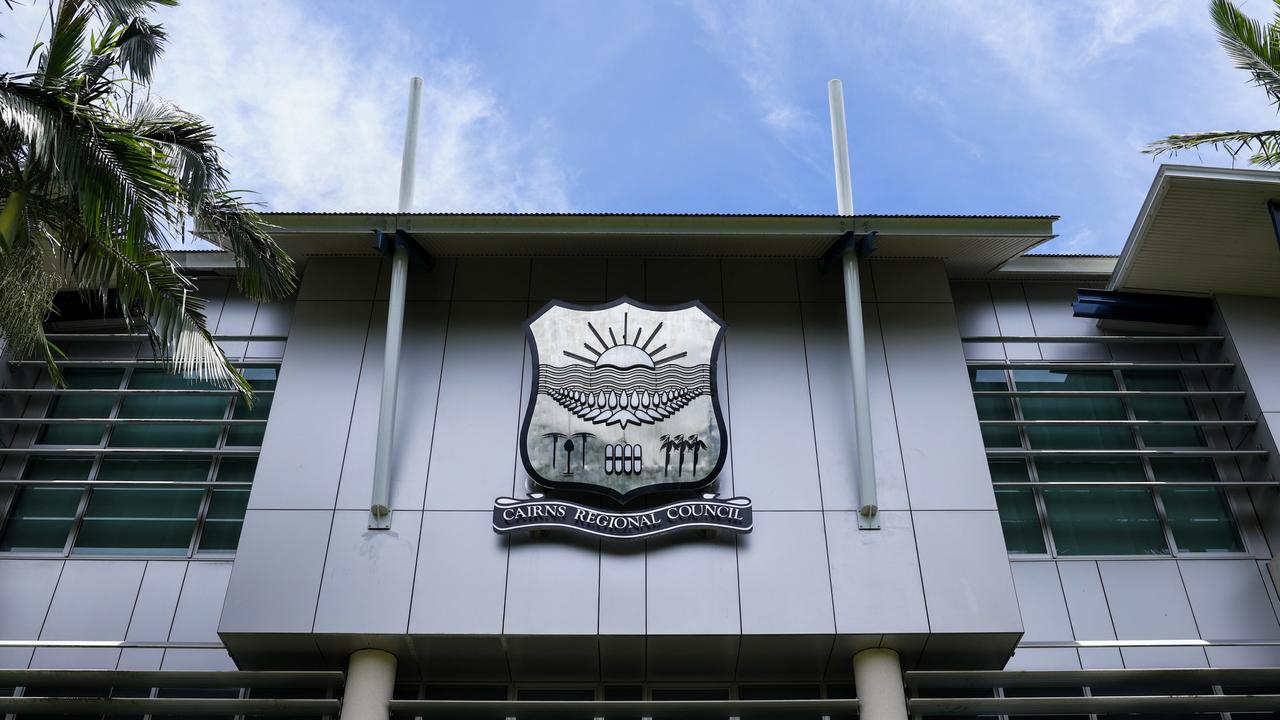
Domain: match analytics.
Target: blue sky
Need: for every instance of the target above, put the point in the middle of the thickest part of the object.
(955, 106)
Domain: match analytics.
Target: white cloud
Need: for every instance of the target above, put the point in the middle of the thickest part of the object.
(311, 117)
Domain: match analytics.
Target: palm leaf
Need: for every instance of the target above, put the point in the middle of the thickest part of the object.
(1252, 46)
(1265, 144)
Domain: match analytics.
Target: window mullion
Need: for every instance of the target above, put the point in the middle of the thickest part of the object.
(215, 466)
(1147, 472)
(94, 469)
(1037, 497)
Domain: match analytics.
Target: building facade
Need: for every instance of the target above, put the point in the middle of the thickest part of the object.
(1075, 507)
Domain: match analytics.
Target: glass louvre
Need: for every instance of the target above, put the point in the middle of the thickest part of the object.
(1175, 408)
(149, 521)
(259, 379)
(994, 408)
(168, 407)
(1200, 517)
(1072, 437)
(1106, 520)
(1101, 521)
(1018, 517)
(135, 517)
(81, 406)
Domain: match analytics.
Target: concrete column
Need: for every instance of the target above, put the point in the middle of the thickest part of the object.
(371, 676)
(877, 672)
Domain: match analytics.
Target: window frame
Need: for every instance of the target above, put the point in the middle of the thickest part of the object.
(1214, 438)
(210, 483)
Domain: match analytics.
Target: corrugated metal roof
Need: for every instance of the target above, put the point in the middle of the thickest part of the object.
(655, 215)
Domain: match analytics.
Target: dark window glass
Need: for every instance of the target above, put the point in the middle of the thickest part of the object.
(141, 521)
(169, 407)
(223, 521)
(1175, 408)
(41, 519)
(997, 408)
(251, 435)
(81, 406)
(1200, 517)
(1018, 517)
(1102, 520)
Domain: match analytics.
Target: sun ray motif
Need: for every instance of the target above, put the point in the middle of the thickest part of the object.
(625, 383)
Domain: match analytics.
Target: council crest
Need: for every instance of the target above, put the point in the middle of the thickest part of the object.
(623, 400)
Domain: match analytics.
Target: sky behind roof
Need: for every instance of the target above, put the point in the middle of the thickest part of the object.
(954, 106)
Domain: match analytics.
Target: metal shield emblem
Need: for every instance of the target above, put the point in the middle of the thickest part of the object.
(624, 398)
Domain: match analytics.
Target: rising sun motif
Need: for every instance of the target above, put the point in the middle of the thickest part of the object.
(625, 382)
(624, 355)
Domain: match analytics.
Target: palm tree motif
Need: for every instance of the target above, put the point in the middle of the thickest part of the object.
(555, 443)
(667, 445)
(96, 176)
(678, 441)
(695, 444)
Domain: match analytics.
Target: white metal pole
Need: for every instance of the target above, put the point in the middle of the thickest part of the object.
(877, 674)
(371, 678)
(380, 507)
(868, 518)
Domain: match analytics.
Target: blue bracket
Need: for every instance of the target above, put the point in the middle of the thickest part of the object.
(862, 243)
(386, 243)
(1274, 207)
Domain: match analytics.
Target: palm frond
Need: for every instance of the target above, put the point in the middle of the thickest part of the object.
(1251, 45)
(149, 282)
(141, 43)
(1265, 144)
(65, 49)
(122, 11)
(264, 270)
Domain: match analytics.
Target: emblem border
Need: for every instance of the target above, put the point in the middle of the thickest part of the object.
(624, 498)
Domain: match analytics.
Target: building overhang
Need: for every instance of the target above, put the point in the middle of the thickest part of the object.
(1204, 231)
(969, 246)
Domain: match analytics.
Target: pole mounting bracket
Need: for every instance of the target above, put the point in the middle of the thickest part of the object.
(387, 242)
(861, 243)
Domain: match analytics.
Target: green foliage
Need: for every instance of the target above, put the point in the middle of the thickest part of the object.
(98, 178)
(1253, 47)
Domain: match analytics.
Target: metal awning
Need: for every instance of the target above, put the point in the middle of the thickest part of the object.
(1203, 231)
(968, 245)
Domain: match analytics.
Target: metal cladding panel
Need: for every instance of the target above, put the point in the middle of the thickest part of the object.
(784, 577)
(826, 341)
(158, 600)
(1040, 599)
(1044, 659)
(575, 280)
(1014, 318)
(1229, 599)
(825, 283)
(553, 588)
(197, 659)
(1051, 314)
(1251, 323)
(491, 280)
(368, 574)
(25, 595)
(94, 600)
(968, 587)
(772, 434)
(692, 587)
(141, 659)
(75, 658)
(480, 401)
(424, 285)
(897, 605)
(625, 278)
(976, 316)
(200, 605)
(340, 278)
(1148, 601)
(623, 575)
(461, 577)
(421, 354)
(276, 577)
(911, 281)
(677, 281)
(303, 448)
(759, 280)
(942, 451)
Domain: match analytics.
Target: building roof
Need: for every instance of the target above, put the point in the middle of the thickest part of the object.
(970, 245)
(1203, 231)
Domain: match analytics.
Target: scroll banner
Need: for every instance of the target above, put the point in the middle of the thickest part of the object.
(708, 513)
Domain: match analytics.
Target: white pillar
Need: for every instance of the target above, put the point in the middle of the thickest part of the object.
(371, 676)
(877, 673)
